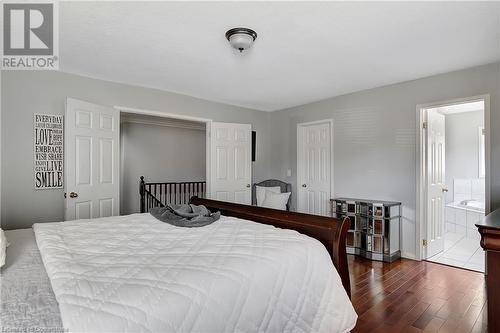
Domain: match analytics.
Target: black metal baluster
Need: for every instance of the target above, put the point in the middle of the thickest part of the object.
(161, 194)
(183, 193)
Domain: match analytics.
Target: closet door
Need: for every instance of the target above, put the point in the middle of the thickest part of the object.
(314, 167)
(92, 160)
(231, 162)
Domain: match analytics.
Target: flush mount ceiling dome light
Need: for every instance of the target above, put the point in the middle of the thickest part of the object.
(241, 38)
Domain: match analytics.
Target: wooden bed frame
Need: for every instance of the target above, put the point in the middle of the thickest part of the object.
(330, 231)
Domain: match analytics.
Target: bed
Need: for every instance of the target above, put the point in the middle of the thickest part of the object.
(26, 295)
(134, 273)
(284, 188)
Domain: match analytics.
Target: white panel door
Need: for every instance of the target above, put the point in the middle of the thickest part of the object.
(314, 167)
(231, 162)
(435, 182)
(92, 160)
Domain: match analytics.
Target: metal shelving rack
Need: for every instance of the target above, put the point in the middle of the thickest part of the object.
(374, 230)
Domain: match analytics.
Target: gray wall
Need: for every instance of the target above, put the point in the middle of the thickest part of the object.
(462, 147)
(161, 154)
(375, 134)
(27, 92)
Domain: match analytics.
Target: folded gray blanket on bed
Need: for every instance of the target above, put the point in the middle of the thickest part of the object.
(185, 215)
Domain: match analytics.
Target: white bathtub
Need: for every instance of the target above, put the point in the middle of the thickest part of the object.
(461, 217)
(473, 205)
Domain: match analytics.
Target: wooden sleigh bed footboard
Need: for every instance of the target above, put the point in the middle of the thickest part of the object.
(330, 231)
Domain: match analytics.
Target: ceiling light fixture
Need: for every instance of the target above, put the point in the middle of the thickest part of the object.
(241, 38)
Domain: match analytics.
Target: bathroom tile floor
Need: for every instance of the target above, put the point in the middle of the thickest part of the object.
(460, 251)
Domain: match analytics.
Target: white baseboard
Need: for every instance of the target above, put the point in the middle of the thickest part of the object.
(407, 255)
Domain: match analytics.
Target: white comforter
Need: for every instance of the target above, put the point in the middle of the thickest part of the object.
(137, 274)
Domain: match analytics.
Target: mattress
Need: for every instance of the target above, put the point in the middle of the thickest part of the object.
(134, 273)
(28, 303)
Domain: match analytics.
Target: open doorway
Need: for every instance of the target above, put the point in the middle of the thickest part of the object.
(220, 153)
(453, 180)
(167, 152)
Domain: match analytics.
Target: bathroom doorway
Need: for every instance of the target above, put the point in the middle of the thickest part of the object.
(455, 188)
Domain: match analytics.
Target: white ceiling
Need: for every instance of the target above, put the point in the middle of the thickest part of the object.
(461, 108)
(305, 51)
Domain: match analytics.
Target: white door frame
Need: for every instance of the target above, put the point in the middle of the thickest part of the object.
(208, 127)
(317, 122)
(420, 212)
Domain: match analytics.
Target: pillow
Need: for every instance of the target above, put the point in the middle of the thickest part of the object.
(3, 246)
(260, 193)
(276, 200)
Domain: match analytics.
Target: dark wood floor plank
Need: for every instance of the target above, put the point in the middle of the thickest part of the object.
(468, 321)
(429, 314)
(416, 296)
(383, 309)
(399, 309)
(480, 325)
(407, 319)
(386, 293)
(434, 325)
(449, 326)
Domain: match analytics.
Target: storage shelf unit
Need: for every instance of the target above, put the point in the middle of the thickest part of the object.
(374, 230)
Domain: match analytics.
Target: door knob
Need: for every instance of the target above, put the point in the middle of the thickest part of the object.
(248, 185)
(304, 185)
(444, 189)
(73, 195)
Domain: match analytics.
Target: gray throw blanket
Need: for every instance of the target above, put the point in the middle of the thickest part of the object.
(185, 215)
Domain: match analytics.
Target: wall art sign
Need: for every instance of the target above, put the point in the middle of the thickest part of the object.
(48, 144)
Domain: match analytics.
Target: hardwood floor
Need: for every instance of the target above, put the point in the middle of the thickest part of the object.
(416, 296)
